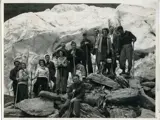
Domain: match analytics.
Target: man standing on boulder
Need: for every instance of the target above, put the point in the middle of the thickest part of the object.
(76, 93)
(126, 40)
(87, 47)
(13, 77)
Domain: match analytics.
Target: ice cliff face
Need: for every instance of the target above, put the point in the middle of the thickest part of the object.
(42, 32)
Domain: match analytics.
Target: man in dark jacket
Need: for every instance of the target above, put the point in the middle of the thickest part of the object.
(87, 47)
(76, 93)
(75, 57)
(13, 77)
(126, 39)
(52, 70)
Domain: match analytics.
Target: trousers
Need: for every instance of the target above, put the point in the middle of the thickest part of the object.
(75, 108)
(126, 54)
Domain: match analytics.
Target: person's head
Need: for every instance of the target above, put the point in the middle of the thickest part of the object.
(76, 78)
(42, 62)
(61, 53)
(47, 57)
(23, 65)
(84, 36)
(63, 44)
(73, 44)
(96, 32)
(120, 29)
(16, 63)
(111, 29)
(105, 31)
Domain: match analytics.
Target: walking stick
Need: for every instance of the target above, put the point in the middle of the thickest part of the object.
(31, 87)
(133, 62)
(16, 97)
(74, 66)
(87, 60)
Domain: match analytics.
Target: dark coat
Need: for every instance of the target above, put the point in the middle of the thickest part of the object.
(52, 70)
(87, 54)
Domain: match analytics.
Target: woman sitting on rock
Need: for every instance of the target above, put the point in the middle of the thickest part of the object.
(22, 77)
(42, 75)
(62, 74)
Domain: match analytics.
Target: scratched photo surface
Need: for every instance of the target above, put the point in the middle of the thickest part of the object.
(79, 60)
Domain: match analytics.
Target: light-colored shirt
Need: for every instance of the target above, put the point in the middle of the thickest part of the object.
(42, 72)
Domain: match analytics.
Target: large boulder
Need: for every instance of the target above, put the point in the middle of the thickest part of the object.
(37, 107)
(145, 113)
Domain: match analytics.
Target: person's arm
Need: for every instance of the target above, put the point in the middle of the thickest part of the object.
(82, 92)
(54, 68)
(47, 70)
(11, 76)
(69, 91)
(133, 37)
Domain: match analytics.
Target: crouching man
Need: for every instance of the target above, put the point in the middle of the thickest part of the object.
(76, 94)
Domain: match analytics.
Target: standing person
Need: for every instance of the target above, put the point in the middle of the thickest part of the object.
(126, 39)
(114, 42)
(104, 47)
(13, 77)
(22, 77)
(62, 74)
(76, 93)
(52, 70)
(97, 37)
(42, 76)
(87, 47)
(75, 57)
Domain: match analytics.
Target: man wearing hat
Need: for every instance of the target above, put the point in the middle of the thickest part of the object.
(87, 47)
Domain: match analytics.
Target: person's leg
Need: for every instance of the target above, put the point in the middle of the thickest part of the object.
(58, 82)
(44, 84)
(76, 108)
(123, 59)
(64, 107)
(14, 90)
(36, 87)
(129, 55)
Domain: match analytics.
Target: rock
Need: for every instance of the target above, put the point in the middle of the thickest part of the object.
(122, 81)
(13, 113)
(134, 83)
(147, 75)
(54, 115)
(153, 92)
(8, 99)
(10, 107)
(145, 113)
(146, 89)
(127, 95)
(51, 96)
(36, 106)
(9, 104)
(148, 84)
(146, 101)
(102, 80)
(89, 112)
(123, 111)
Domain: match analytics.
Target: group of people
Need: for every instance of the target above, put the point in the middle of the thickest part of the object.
(109, 46)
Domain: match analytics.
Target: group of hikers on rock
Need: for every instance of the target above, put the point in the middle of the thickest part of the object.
(109, 46)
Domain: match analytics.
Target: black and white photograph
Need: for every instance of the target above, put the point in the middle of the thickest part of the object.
(79, 60)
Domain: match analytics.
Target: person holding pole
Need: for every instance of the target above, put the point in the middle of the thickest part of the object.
(87, 46)
(42, 76)
(62, 73)
(13, 77)
(22, 77)
(126, 40)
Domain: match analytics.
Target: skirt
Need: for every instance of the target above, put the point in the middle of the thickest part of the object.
(22, 92)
